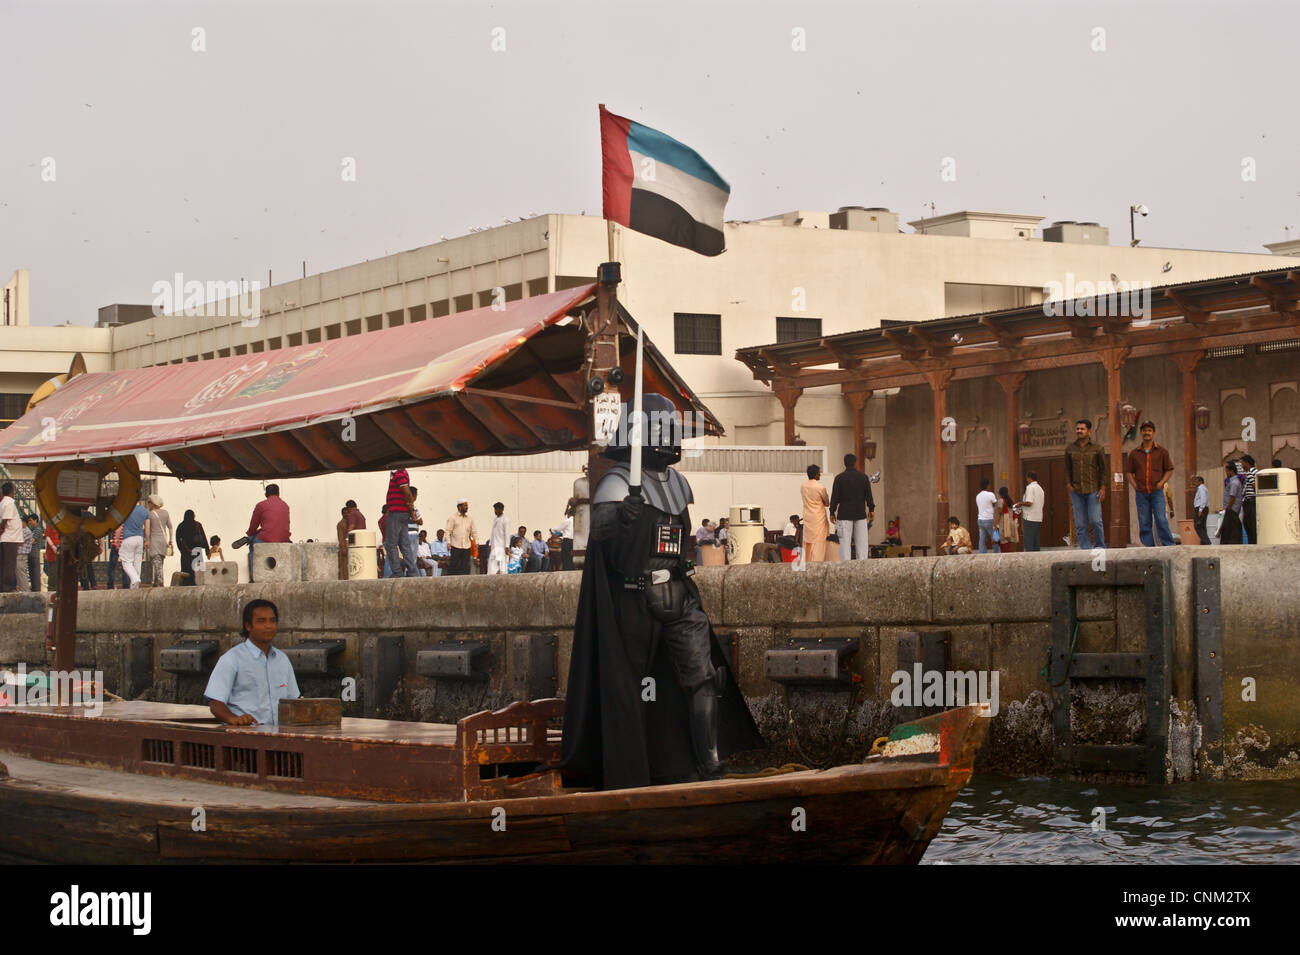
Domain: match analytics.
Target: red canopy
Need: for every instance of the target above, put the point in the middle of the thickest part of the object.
(505, 380)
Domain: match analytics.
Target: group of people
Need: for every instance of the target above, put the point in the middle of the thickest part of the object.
(137, 548)
(1148, 469)
(850, 506)
(405, 549)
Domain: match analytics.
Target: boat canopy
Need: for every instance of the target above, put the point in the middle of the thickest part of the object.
(509, 379)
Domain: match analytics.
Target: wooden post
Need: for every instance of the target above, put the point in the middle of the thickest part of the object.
(939, 385)
(789, 397)
(604, 357)
(857, 399)
(1117, 533)
(1187, 362)
(65, 615)
(1011, 385)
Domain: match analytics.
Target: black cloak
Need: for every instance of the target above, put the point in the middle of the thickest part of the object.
(613, 738)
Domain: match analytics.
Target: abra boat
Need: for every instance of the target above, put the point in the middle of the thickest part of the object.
(158, 783)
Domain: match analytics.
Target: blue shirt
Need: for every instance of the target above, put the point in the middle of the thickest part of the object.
(538, 548)
(439, 548)
(250, 681)
(134, 524)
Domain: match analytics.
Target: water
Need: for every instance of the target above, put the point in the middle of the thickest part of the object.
(1000, 819)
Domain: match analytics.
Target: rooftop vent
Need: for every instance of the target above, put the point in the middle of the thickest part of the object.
(863, 219)
(1079, 233)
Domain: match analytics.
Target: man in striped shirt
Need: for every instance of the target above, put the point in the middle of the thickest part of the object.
(397, 528)
(1246, 468)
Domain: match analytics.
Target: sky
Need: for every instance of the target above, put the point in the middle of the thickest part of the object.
(143, 139)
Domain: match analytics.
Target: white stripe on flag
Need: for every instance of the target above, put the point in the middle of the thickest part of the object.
(703, 201)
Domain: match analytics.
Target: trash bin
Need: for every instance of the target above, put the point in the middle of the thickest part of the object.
(745, 531)
(1277, 509)
(362, 563)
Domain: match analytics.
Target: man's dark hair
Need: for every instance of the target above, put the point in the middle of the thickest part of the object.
(1199, 479)
(984, 484)
(273, 490)
(1087, 421)
(350, 504)
(1248, 459)
(258, 604)
(954, 521)
(1032, 475)
(32, 517)
(1277, 462)
(7, 488)
(813, 471)
(850, 460)
(704, 522)
(794, 518)
(1147, 424)
(535, 533)
(500, 505)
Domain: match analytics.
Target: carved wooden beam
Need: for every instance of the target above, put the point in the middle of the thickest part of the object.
(1004, 338)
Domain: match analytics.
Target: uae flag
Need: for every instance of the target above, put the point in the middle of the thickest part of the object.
(656, 185)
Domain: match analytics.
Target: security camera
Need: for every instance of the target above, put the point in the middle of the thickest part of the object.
(1141, 209)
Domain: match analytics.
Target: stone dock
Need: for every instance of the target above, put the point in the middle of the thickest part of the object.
(1168, 664)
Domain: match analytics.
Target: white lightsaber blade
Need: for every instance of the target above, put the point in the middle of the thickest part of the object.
(634, 478)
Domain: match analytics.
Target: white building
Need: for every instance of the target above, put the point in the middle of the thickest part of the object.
(802, 274)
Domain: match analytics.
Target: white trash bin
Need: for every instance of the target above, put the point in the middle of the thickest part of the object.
(362, 563)
(1277, 508)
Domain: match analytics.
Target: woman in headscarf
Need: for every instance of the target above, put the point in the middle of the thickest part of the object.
(190, 538)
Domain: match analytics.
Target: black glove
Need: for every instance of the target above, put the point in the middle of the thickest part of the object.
(630, 510)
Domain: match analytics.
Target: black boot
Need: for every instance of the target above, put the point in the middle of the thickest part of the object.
(704, 730)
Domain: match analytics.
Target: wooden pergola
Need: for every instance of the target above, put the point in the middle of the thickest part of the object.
(1181, 323)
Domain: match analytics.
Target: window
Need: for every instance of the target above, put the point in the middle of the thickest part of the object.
(796, 329)
(697, 334)
(12, 408)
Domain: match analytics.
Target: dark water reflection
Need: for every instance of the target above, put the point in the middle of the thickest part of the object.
(999, 819)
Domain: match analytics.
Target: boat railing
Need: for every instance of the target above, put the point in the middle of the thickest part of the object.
(505, 751)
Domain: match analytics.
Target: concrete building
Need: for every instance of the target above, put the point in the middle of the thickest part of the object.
(803, 274)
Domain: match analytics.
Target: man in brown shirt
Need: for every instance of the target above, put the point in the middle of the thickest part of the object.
(1085, 478)
(352, 520)
(1149, 468)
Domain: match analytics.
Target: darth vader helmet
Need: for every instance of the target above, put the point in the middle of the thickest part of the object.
(661, 433)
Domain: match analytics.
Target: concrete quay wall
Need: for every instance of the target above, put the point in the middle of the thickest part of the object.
(997, 612)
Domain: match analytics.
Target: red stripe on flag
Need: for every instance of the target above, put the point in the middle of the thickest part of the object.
(616, 167)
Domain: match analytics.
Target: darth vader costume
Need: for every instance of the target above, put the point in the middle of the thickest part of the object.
(650, 698)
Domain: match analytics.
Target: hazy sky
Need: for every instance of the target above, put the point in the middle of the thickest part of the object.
(227, 162)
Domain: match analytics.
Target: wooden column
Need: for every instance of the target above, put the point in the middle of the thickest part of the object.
(1187, 362)
(789, 397)
(603, 329)
(1011, 385)
(1117, 533)
(857, 400)
(939, 385)
(65, 613)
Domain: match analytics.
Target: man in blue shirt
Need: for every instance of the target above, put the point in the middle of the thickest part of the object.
(135, 535)
(537, 553)
(252, 677)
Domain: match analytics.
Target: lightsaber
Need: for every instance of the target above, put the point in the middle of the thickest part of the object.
(634, 477)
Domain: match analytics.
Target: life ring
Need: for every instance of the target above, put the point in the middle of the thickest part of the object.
(70, 519)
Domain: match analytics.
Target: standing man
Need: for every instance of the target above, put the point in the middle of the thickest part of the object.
(1031, 512)
(499, 541)
(134, 530)
(723, 537)
(1201, 509)
(114, 557)
(160, 538)
(537, 551)
(25, 554)
(985, 502)
(461, 533)
(1248, 475)
(252, 677)
(1149, 469)
(852, 509)
(1230, 526)
(269, 524)
(397, 529)
(816, 527)
(1085, 479)
(565, 533)
(11, 538)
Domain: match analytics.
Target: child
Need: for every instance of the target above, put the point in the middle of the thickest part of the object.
(892, 533)
(515, 562)
(214, 549)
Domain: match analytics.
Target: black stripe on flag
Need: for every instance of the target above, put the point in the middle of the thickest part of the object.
(664, 219)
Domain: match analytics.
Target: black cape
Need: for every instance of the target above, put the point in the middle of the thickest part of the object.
(613, 738)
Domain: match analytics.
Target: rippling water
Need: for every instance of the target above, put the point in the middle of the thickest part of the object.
(999, 819)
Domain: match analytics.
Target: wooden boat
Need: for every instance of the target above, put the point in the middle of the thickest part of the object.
(155, 783)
